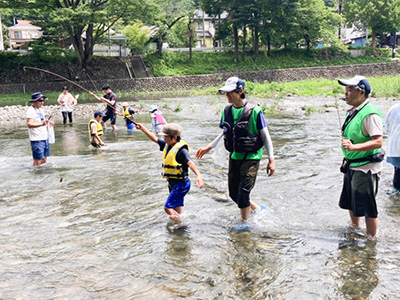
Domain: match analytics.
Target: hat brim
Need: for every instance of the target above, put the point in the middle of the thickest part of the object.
(33, 100)
(228, 88)
(348, 82)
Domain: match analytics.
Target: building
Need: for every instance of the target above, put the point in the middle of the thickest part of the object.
(205, 28)
(21, 33)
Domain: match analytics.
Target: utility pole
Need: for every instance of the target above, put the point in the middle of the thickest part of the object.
(204, 31)
(1, 37)
(394, 45)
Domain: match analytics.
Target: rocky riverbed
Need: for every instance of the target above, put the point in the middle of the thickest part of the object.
(17, 113)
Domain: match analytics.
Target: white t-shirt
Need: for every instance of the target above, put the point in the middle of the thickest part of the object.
(66, 102)
(37, 133)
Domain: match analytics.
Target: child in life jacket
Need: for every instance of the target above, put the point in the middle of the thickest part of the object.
(157, 119)
(128, 114)
(175, 166)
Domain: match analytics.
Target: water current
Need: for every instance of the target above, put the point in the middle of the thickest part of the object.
(90, 223)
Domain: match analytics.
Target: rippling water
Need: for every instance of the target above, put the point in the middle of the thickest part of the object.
(90, 224)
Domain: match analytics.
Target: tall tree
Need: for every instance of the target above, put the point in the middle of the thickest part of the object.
(170, 13)
(85, 22)
(379, 15)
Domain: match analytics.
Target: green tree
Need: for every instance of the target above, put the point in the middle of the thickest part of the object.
(85, 22)
(379, 15)
(170, 13)
(136, 36)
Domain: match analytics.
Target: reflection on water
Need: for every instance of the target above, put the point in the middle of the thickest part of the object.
(90, 224)
(357, 268)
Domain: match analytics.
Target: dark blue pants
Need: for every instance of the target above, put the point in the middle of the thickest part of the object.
(396, 178)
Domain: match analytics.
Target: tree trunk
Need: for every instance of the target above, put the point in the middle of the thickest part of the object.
(256, 43)
(236, 37)
(269, 46)
(244, 42)
(190, 38)
(373, 41)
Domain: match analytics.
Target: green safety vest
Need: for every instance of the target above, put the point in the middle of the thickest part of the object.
(353, 132)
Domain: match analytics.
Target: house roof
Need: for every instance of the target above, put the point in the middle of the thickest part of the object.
(24, 25)
(198, 14)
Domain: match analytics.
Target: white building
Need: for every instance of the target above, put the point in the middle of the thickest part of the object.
(23, 32)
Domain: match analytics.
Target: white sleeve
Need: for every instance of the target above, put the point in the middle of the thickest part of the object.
(215, 142)
(372, 125)
(267, 142)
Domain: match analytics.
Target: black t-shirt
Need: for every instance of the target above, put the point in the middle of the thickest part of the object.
(111, 97)
(182, 157)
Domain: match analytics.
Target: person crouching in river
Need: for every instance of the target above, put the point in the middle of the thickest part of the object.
(175, 164)
(96, 130)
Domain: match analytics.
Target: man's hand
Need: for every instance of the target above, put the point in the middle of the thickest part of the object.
(271, 167)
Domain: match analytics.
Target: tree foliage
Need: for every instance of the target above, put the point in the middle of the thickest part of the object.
(379, 15)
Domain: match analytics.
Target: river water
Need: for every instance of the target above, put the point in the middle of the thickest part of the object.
(90, 223)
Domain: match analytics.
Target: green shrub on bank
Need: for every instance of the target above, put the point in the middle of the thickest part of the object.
(178, 63)
(383, 86)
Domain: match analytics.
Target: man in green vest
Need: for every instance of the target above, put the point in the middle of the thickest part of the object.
(362, 137)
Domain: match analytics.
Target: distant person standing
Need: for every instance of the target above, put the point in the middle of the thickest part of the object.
(392, 125)
(362, 140)
(66, 102)
(157, 119)
(37, 128)
(96, 130)
(111, 100)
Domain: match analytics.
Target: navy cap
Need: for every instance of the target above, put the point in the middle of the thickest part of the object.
(37, 96)
(98, 113)
(358, 81)
(233, 84)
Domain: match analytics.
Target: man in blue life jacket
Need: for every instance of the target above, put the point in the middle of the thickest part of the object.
(245, 133)
(362, 140)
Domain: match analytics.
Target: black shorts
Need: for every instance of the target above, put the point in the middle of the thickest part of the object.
(112, 117)
(359, 192)
(241, 179)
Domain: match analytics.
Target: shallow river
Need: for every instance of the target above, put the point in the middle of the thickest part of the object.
(90, 224)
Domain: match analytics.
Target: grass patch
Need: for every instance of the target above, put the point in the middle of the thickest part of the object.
(174, 63)
(383, 86)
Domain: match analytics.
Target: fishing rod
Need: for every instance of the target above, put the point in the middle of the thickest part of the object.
(68, 80)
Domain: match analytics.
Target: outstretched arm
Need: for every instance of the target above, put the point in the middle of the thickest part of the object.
(204, 150)
(149, 134)
(199, 179)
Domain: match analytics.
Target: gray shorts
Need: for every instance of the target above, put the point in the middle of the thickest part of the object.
(359, 193)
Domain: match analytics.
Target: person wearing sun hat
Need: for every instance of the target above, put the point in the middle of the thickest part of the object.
(128, 114)
(245, 132)
(362, 139)
(176, 162)
(37, 129)
(157, 119)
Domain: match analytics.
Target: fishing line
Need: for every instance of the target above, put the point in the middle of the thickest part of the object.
(66, 79)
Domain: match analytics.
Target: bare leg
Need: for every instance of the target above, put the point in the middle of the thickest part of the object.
(245, 213)
(372, 226)
(114, 127)
(356, 221)
(174, 214)
(254, 206)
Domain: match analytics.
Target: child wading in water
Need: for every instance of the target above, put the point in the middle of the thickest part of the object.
(175, 164)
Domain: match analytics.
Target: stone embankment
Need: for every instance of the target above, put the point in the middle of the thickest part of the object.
(166, 84)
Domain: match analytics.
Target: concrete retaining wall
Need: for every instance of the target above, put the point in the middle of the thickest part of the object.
(199, 81)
